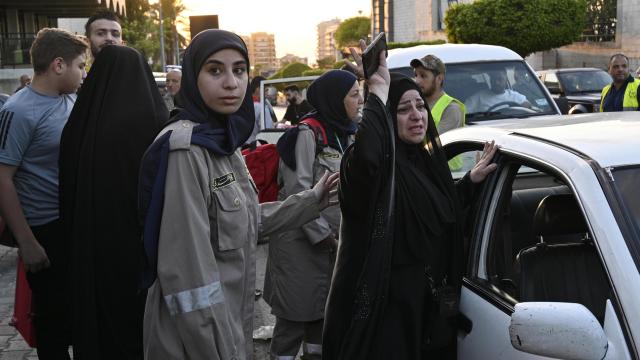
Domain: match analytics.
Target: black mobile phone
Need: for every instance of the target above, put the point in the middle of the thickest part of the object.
(371, 55)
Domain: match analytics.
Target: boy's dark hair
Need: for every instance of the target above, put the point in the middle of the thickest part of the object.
(52, 43)
(255, 83)
(105, 14)
(292, 88)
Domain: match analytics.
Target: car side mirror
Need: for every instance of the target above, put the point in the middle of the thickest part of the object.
(555, 90)
(557, 330)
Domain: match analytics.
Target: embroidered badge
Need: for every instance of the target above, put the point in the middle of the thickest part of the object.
(223, 181)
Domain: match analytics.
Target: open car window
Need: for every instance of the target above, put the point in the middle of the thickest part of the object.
(535, 244)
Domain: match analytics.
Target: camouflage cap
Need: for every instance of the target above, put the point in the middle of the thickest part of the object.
(429, 62)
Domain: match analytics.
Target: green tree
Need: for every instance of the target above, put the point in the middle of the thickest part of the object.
(326, 62)
(139, 30)
(292, 70)
(601, 20)
(524, 26)
(350, 31)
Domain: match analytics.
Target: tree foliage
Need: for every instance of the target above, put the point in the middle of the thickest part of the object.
(350, 31)
(601, 20)
(400, 45)
(292, 70)
(326, 62)
(524, 26)
(141, 29)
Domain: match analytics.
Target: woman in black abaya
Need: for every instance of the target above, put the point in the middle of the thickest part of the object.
(400, 233)
(117, 114)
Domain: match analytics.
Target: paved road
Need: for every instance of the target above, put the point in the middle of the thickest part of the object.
(12, 347)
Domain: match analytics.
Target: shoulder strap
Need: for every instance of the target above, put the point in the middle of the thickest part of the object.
(318, 129)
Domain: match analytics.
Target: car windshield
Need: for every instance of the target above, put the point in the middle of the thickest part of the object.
(579, 82)
(495, 90)
(627, 182)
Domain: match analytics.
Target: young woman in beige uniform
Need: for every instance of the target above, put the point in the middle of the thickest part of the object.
(201, 212)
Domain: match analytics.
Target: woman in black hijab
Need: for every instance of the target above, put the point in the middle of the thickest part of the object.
(301, 260)
(400, 232)
(201, 213)
(117, 114)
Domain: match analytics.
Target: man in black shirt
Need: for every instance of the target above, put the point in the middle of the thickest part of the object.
(622, 94)
(298, 106)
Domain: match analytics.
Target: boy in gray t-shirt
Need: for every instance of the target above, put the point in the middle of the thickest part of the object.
(31, 124)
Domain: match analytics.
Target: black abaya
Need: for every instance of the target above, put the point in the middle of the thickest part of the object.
(116, 117)
(377, 306)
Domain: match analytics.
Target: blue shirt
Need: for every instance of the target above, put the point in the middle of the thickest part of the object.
(30, 130)
(614, 99)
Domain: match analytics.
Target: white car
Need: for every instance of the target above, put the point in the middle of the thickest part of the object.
(469, 71)
(554, 240)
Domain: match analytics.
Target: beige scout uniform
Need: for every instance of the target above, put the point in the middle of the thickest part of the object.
(201, 304)
(299, 273)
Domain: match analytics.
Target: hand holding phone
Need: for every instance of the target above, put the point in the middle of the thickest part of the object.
(371, 55)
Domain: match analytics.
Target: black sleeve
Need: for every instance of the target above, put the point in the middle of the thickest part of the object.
(371, 144)
(289, 115)
(466, 190)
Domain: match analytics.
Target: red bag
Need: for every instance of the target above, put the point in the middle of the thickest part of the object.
(262, 162)
(22, 309)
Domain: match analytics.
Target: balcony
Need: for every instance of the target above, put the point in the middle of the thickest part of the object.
(65, 8)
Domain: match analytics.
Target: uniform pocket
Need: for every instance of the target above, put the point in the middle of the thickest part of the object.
(232, 218)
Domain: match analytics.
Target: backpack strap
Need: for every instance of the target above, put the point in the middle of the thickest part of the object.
(318, 130)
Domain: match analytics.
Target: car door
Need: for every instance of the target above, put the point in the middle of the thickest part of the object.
(506, 237)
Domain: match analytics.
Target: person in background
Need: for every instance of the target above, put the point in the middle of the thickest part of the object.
(100, 152)
(622, 94)
(301, 260)
(103, 29)
(173, 79)
(32, 121)
(298, 106)
(201, 212)
(489, 99)
(25, 80)
(269, 115)
(401, 230)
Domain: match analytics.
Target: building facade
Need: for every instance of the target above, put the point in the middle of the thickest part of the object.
(326, 39)
(21, 20)
(262, 52)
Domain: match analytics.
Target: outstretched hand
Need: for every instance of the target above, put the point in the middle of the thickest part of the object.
(484, 166)
(326, 188)
(379, 82)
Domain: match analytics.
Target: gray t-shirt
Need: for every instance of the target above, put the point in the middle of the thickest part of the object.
(30, 129)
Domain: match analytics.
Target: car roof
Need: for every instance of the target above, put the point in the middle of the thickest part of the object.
(611, 139)
(450, 54)
(568, 70)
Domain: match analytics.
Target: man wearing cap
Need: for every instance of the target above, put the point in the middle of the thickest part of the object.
(447, 112)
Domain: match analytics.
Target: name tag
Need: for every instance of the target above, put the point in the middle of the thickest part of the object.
(327, 155)
(222, 181)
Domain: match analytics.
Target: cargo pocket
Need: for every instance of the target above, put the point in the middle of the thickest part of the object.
(232, 219)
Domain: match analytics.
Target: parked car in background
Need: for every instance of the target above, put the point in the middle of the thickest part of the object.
(554, 234)
(470, 68)
(582, 87)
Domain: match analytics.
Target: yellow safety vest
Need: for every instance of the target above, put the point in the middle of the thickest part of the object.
(436, 112)
(630, 100)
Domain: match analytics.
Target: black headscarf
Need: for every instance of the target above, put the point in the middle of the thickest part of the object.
(116, 116)
(229, 131)
(425, 194)
(326, 94)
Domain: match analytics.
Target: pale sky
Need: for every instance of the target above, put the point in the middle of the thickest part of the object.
(293, 22)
